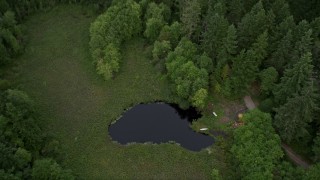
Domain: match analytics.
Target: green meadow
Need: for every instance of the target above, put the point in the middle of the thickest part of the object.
(77, 106)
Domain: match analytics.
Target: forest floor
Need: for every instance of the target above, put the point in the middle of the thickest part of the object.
(78, 106)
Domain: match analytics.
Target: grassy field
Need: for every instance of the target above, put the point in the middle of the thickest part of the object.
(78, 106)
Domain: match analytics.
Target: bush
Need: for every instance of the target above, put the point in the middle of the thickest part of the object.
(109, 64)
(160, 50)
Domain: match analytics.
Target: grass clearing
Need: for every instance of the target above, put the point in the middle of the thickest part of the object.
(77, 105)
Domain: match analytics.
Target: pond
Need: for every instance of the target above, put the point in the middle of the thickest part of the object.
(159, 123)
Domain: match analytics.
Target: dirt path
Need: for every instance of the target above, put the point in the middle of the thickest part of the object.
(249, 103)
(298, 160)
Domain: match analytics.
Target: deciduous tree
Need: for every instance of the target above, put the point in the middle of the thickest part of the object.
(256, 146)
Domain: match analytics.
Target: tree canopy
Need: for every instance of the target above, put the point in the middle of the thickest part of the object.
(256, 146)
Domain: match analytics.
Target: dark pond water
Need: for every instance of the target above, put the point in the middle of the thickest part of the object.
(159, 123)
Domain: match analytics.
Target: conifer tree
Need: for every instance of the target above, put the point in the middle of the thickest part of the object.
(302, 46)
(227, 52)
(281, 10)
(292, 119)
(281, 30)
(190, 16)
(279, 58)
(236, 11)
(252, 25)
(246, 65)
(216, 27)
(294, 79)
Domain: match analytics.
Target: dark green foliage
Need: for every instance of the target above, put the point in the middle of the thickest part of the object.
(294, 79)
(171, 33)
(160, 11)
(10, 37)
(268, 78)
(216, 29)
(266, 105)
(23, 158)
(253, 24)
(205, 62)
(7, 159)
(21, 137)
(281, 30)
(7, 176)
(313, 173)
(256, 146)
(190, 82)
(285, 170)
(246, 66)
(292, 119)
(236, 10)
(316, 148)
(225, 56)
(19, 124)
(296, 95)
(236, 37)
(281, 10)
(109, 63)
(49, 169)
(119, 23)
(160, 50)
(215, 174)
(153, 28)
(302, 10)
(156, 17)
(302, 46)
(279, 58)
(315, 25)
(190, 17)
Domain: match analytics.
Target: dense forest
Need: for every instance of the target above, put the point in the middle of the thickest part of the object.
(203, 48)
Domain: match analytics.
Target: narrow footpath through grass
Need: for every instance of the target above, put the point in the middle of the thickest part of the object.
(77, 105)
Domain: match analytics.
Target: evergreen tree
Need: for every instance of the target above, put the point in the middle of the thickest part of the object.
(281, 10)
(315, 25)
(279, 58)
(292, 119)
(281, 30)
(216, 27)
(252, 25)
(301, 47)
(190, 17)
(268, 79)
(294, 79)
(300, 30)
(246, 65)
(236, 11)
(226, 53)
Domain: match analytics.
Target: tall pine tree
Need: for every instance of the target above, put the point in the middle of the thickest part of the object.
(292, 119)
(252, 25)
(294, 80)
(246, 65)
(216, 26)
